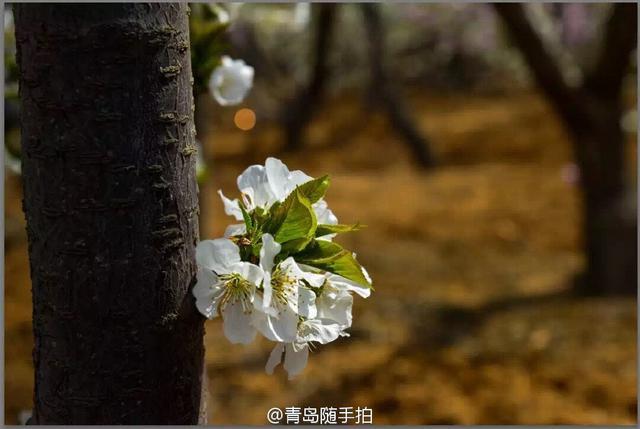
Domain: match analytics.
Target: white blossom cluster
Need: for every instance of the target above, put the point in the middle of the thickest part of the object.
(278, 273)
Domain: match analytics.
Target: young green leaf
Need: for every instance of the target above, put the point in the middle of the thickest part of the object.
(321, 251)
(294, 246)
(315, 189)
(330, 256)
(292, 220)
(324, 229)
(247, 219)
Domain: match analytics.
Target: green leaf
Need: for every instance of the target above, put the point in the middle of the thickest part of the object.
(293, 222)
(315, 189)
(330, 256)
(321, 251)
(324, 229)
(294, 246)
(247, 219)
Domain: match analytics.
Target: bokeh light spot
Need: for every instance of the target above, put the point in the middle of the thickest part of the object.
(245, 119)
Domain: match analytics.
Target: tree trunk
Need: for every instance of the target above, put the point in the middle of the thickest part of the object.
(386, 94)
(298, 113)
(609, 207)
(110, 200)
(610, 234)
(591, 114)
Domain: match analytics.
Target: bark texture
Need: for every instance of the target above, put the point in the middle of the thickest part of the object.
(591, 113)
(111, 205)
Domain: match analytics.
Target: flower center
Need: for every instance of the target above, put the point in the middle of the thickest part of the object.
(282, 285)
(236, 288)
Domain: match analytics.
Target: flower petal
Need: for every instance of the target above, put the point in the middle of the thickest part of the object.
(322, 331)
(255, 177)
(217, 255)
(325, 217)
(366, 275)
(270, 248)
(231, 81)
(324, 214)
(258, 305)
(294, 270)
(235, 229)
(307, 303)
(298, 178)
(342, 283)
(274, 358)
(226, 61)
(237, 324)
(336, 308)
(231, 207)
(279, 178)
(295, 361)
(283, 327)
(207, 292)
(267, 292)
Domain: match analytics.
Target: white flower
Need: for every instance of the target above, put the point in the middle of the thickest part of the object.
(335, 301)
(24, 416)
(301, 15)
(231, 81)
(324, 217)
(228, 285)
(344, 284)
(286, 297)
(8, 20)
(12, 162)
(296, 353)
(221, 13)
(335, 304)
(261, 186)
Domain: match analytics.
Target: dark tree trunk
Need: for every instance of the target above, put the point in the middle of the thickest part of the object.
(610, 211)
(385, 93)
(591, 114)
(298, 113)
(111, 205)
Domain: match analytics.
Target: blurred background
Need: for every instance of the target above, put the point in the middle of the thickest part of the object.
(456, 132)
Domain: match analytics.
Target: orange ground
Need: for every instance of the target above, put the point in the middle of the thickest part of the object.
(470, 321)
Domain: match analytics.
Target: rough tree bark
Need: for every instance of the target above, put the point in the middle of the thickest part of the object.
(384, 91)
(591, 113)
(111, 205)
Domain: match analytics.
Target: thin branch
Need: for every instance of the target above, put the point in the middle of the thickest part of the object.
(620, 39)
(545, 69)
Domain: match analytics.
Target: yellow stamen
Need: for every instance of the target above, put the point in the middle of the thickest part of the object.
(236, 288)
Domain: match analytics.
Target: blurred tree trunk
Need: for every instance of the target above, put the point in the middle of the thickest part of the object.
(386, 93)
(298, 113)
(592, 115)
(110, 200)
